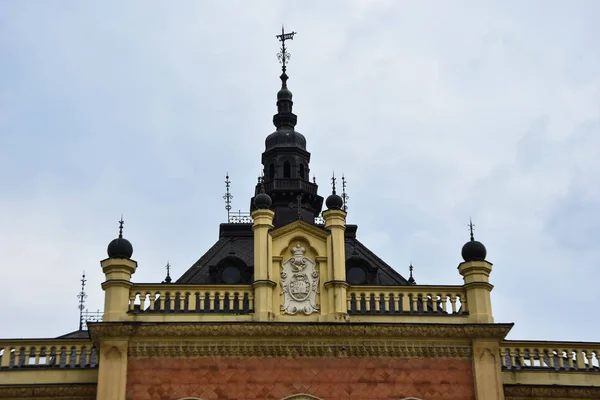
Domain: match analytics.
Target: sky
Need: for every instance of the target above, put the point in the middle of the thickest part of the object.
(434, 111)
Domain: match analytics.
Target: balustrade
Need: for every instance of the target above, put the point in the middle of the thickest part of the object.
(167, 298)
(52, 353)
(438, 300)
(557, 356)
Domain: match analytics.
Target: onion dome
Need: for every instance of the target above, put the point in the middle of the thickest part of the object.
(473, 250)
(262, 200)
(120, 247)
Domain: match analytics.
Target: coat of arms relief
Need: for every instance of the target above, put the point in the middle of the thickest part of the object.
(300, 283)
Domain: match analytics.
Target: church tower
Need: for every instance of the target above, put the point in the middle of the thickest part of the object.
(286, 161)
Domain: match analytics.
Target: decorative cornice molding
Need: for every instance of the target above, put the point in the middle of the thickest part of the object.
(74, 391)
(279, 330)
(305, 348)
(538, 392)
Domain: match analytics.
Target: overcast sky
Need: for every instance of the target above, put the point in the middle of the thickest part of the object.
(434, 111)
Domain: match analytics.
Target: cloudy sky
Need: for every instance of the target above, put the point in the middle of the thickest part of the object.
(434, 111)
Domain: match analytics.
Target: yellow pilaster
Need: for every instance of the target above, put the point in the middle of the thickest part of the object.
(486, 370)
(118, 273)
(112, 373)
(263, 283)
(335, 222)
(477, 287)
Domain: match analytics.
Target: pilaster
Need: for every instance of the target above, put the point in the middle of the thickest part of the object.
(486, 370)
(263, 285)
(112, 373)
(335, 222)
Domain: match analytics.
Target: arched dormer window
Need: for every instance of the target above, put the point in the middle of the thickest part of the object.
(287, 170)
(301, 171)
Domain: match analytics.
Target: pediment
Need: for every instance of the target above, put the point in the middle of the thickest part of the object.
(300, 226)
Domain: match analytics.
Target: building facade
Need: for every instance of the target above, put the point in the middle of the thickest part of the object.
(289, 304)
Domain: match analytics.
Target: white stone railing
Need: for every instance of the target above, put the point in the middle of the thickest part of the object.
(47, 353)
(425, 300)
(557, 356)
(176, 298)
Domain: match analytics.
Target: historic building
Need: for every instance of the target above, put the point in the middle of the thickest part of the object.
(289, 304)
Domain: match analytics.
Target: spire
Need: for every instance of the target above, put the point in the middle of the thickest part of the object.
(168, 277)
(82, 296)
(284, 117)
(473, 250)
(411, 280)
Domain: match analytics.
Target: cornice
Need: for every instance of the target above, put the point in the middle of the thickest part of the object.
(307, 347)
(279, 330)
(72, 391)
(535, 392)
(302, 226)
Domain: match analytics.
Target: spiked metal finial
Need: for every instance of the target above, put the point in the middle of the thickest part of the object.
(121, 222)
(411, 280)
(333, 183)
(82, 296)
(471, 226)
(168, 277)
(227, 196)
(283, 56)
(345, 196)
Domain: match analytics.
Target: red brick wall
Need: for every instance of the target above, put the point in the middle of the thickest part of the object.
(327, 378)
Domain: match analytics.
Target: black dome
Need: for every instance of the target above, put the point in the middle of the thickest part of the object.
(119, 248)
(474, 251)
(285, 138)
(262, 200)
(334, 202)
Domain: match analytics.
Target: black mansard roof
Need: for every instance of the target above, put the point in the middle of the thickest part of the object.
(236, 240)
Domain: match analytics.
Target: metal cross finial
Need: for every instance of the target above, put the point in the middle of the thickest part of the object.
(168, 278)
(121, 222)
(345, 196)
(333, 183)
(471, 226)
(227, 195)
(82, 296)
(283, 56)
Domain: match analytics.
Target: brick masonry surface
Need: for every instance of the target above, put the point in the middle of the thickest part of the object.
(277, 378)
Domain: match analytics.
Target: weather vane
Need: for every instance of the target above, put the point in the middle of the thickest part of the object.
(82, 296)
(283, 56)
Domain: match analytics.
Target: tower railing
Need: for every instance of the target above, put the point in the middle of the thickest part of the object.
(290, 183)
